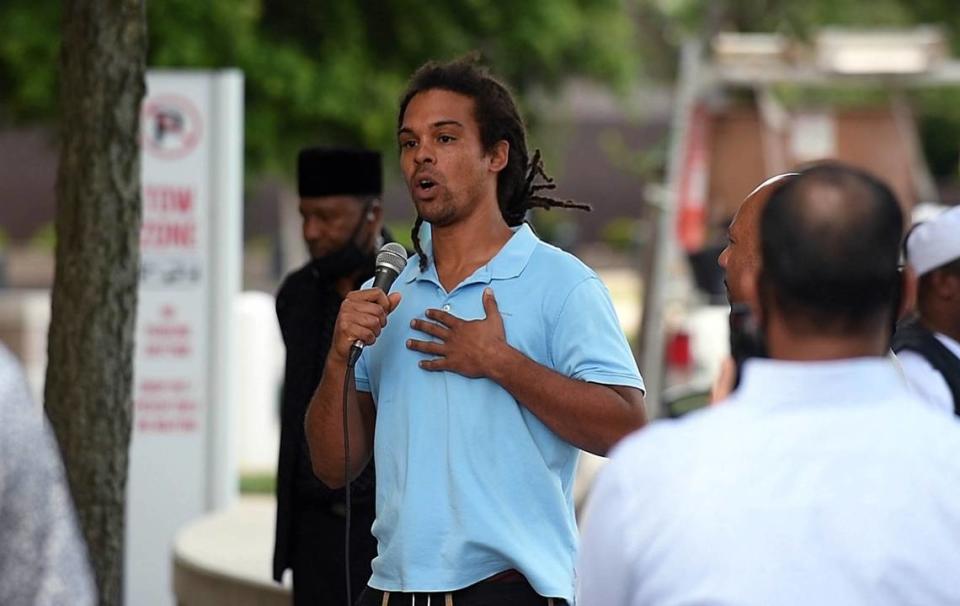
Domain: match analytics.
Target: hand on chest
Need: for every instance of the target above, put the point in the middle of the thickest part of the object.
(438, 331)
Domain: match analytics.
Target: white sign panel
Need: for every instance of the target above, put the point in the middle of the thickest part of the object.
(813, 136)
(178, 451)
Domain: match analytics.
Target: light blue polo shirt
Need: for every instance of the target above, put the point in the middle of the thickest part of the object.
(469, 482)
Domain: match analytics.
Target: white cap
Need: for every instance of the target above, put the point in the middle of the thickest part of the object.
(935, 242)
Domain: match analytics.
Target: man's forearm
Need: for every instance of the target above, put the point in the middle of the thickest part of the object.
(324, 427)
(590, 416)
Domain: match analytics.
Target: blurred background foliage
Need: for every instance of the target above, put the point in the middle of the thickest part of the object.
(333, 70)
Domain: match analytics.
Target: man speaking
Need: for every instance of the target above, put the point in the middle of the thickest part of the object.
(492, 361)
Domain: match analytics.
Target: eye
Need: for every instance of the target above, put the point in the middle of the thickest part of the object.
(446, 139)
(408, 144)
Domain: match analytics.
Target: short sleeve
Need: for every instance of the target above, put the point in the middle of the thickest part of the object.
(587, 342)
(360, 376)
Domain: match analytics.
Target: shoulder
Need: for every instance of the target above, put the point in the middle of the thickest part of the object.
(921, 439)
(925, 381)
(560, 264)
(295, 283)
(664, 434)
(930, 426)
(559, 274)
(916, 367)
(297, 279)
(671, 448)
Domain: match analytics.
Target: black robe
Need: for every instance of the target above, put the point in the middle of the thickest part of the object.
(310, 523)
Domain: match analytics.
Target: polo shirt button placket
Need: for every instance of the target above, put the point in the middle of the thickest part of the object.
(446, 307)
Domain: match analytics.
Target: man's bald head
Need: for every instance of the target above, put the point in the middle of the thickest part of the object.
(742, 253)
(830, 249)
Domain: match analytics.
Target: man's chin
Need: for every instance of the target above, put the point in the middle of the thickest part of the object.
(436, 217)
(732, 297)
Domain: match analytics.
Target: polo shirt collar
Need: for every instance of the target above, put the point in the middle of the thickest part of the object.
(508, 263)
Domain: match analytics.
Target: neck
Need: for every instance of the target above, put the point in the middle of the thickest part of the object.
(461, 248)
(943, 321)
(785, 342)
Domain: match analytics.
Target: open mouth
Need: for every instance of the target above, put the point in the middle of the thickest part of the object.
(425, 188)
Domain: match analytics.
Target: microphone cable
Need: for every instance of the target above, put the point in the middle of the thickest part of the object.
(391, 260)
(348, 375)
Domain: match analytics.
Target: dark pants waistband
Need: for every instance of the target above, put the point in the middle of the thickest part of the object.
(508, 588)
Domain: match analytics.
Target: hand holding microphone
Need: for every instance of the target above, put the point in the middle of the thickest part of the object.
(363, 313)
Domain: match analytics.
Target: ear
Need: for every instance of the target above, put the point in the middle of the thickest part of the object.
(375, 212)
(908, 292)
(750, 287)
(499, 155)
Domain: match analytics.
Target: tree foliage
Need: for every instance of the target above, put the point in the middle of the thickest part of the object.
(937, 110)
(801, 18)
(332, 71)
(29, 47)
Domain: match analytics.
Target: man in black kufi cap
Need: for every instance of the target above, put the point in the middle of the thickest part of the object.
(340, 193)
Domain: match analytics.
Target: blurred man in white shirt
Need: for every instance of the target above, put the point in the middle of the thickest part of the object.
(824, 480)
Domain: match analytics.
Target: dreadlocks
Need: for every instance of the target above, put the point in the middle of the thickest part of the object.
(522, 182)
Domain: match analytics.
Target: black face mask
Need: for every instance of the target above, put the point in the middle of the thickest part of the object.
(349, 259)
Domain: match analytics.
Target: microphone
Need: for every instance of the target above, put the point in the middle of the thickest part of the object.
(391, 260)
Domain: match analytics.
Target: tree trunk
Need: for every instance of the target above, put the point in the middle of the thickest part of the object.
(90, 346)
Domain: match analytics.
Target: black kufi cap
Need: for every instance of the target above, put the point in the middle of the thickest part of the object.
(323, 171)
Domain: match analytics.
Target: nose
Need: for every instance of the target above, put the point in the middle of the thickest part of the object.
(424, 153)
(724, 257)
(312, 229)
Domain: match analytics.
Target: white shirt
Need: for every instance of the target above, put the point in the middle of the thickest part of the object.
(43, 559)
(926, 380)
(816, 483)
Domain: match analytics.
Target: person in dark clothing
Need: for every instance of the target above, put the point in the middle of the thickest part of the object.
(928, 344)
(342, 227)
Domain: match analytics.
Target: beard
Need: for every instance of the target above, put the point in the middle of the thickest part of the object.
(445, 210)
(439, 212)
(348, 260)
(344, 262)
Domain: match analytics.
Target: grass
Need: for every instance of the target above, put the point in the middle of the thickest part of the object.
(258, 483)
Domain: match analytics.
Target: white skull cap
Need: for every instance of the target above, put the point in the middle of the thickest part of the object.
(935, 242)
